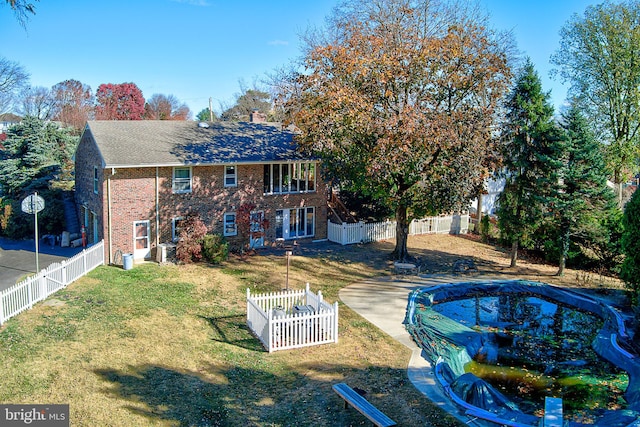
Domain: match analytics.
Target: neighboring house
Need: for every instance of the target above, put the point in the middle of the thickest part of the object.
(7, 120)
(493, 188)
(137, 180)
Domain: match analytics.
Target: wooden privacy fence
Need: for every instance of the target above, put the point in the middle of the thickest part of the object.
(360, 232)
(292, 319)
(25, 294)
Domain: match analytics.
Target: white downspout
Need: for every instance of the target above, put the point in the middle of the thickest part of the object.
(113, 172)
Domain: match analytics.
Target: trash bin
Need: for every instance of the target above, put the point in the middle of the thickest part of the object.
(127, 261)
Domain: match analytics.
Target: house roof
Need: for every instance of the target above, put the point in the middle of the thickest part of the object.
(139, 143)
(10, 118)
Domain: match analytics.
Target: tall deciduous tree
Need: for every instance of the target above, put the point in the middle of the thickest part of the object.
(37, 102)
(598, 55)
(394, 100)
(122, 101)
(583, 195)
(22, 9)
(13, 79)
(165, 107)
(530, 158)
(74, 103)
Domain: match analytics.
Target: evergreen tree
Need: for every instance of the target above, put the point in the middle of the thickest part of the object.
(630, 272)
(206, 115)
(33, 152)
(250, 100)
(583, 196)
(531, 160)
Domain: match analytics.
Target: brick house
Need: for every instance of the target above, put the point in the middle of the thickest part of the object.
(136, 180)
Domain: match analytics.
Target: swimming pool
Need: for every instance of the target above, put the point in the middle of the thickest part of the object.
(487, 338)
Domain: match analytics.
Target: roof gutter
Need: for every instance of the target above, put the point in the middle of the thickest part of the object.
(248, 162)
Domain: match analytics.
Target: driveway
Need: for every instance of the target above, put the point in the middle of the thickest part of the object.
(18, 258)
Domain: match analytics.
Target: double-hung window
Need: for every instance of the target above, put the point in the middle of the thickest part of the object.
(230, 176)
(182, 180)
(230, 227)
(176, 228)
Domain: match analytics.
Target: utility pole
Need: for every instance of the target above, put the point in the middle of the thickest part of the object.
(210, 111)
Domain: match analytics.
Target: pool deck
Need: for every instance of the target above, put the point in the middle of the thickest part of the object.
(383, 302)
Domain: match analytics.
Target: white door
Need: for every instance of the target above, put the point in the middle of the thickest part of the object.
(285, 224)
(95, 228)
(141, 248)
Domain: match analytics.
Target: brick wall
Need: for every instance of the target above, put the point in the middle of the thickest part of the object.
(133, 198)
(210, 199)
(87, 157)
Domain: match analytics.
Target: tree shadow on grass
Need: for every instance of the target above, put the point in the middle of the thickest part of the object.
(233, 330)
(169, 395)
(224, 395)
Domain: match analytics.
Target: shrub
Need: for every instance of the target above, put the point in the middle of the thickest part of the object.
(189, 247)
(485, 226)
(215, 248)
(16, 224)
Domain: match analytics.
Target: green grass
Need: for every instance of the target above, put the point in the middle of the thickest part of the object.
(169, 346)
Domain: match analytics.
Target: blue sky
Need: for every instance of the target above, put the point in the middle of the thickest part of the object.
(201, 49)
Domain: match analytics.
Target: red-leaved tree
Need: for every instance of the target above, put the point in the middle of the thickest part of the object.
(189, 247)
(250, 223)
(122, 101)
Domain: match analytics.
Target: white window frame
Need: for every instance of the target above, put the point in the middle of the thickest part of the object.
(175, 180)
(144, 252)
(233, 176)
(175, 236)
(95, 180)
(289, 218)
(225, 222)
(285, 178)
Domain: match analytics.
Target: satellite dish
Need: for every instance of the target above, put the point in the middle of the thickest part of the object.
(203, 125)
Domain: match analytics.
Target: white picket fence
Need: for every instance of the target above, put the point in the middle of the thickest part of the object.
(360, 232)
(292, 319)
(25, 294)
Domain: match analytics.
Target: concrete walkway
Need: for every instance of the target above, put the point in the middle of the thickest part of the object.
(383, 302)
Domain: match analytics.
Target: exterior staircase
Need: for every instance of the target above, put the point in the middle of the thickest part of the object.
(338, 212)
(71, 220)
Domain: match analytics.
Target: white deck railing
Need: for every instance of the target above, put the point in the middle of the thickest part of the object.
(25, 294)
(292, 319)
(360, 232)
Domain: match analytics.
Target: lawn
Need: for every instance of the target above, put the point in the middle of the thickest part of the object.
(168, 345)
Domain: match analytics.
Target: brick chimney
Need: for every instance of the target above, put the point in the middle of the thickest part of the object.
(257, 117)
